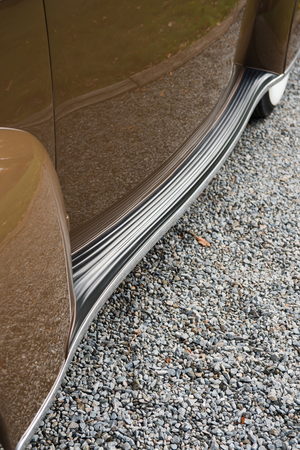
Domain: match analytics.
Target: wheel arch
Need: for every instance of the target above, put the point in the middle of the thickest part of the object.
(37, 304)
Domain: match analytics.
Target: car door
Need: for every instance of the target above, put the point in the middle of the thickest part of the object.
(132, 79)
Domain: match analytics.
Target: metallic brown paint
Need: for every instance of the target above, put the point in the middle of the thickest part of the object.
(35, 281)
(265, 34)
(115, 143)
(293, 47)
(25, 82)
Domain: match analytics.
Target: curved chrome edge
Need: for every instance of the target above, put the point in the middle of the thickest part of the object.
(85, 235)
(40, 414)
(63, 226)
(126, 268)
(102, 257)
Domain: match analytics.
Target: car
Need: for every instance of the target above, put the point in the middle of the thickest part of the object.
(114, 118)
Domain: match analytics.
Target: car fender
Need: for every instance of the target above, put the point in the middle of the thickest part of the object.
(37, 304)
(265, 34)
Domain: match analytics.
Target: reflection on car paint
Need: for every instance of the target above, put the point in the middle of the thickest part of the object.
(35, 305)
(115, 144)
(25, 82)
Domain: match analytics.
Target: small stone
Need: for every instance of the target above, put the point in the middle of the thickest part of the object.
(181, 411)
(124, 438)
(214, 445)
(252, 437)
(111, 445)
(128, 420)
(120, 379)
(272, 395)
(230, 335)
(136, 385)
(186, 426)
(126, 446)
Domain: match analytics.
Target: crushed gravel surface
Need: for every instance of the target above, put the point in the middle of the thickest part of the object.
(200, 346)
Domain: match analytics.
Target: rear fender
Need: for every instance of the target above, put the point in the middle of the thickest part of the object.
(265, 34)
(37, 304)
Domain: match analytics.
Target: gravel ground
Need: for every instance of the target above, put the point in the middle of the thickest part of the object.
(199, 347)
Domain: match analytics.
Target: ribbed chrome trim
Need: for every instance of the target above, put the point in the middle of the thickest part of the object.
(97, 267)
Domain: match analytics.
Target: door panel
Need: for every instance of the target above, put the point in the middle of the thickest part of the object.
(131, 81)
(25, 82)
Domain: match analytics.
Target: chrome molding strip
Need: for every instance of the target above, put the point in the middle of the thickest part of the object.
(100, 266)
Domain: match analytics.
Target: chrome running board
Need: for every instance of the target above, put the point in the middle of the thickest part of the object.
(100, 265)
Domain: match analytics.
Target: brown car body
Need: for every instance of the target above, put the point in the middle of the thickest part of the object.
(96, 91)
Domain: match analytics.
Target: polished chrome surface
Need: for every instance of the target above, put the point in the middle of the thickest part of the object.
(101, 264)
